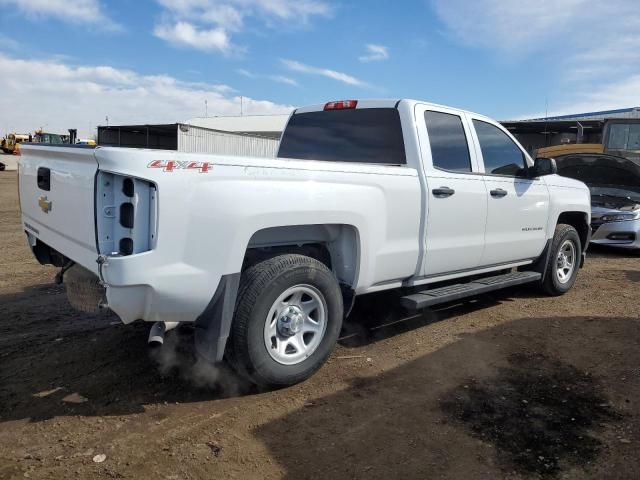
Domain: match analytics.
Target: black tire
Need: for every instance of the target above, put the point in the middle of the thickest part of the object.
(552, 285)
(260, 287)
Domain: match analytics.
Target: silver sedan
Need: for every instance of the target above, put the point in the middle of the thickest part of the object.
(614, 183)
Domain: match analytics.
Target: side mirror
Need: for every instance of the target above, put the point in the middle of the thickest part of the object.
(543, 166)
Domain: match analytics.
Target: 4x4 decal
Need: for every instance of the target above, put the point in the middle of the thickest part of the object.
(171, 165)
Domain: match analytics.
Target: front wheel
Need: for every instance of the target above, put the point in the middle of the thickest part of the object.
(564, 261)
(287, 320)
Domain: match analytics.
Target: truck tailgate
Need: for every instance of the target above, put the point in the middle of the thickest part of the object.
(57, 199)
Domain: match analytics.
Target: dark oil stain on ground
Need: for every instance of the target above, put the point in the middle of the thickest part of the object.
(537, 412)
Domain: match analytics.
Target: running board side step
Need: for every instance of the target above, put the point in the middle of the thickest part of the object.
(450, 293)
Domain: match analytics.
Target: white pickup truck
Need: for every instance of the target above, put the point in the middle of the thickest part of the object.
(266, 256)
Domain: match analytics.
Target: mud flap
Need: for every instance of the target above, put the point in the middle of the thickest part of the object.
(540, 264)
(213, 325)
(586, 246)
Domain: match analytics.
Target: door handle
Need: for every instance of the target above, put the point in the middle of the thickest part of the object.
(443, 192)
(498, 192)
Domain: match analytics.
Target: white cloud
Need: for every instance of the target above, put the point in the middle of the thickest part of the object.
(512, 26)
(246, 73)
(375, 53)
(187, 35)
(235, 10)
(273, 78)
(227, 17)
(59, 96)
(325, 72)
(619, 94)
(71, 11)
(591, 50)
(283, 79)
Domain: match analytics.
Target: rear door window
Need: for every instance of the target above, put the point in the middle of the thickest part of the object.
(449, 147)
(367, 135)
(500, 154)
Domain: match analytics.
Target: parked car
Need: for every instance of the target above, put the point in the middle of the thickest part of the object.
(614, 183)
(266, 255)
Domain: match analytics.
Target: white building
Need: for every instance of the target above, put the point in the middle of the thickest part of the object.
(270, 126)
(248, 135)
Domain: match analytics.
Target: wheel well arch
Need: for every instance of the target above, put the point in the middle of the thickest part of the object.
(577, 220)
(335, 245)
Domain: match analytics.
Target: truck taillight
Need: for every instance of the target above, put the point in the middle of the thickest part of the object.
(126, 214)
(341, 105)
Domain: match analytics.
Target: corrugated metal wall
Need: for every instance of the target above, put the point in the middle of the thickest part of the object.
(202, 140)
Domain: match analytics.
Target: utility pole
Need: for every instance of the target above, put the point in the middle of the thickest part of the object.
(546, 121)
(206, 109)
(106, 119)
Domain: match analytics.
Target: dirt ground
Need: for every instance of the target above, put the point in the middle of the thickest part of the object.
(511, 385)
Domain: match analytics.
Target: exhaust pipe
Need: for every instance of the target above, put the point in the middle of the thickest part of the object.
(158, 330)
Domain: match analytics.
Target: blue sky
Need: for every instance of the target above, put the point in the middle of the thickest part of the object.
(73, 62)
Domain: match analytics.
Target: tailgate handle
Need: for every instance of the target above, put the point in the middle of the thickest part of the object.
(44, 178)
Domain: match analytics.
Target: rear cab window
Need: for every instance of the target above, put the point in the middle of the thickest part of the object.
(365, 135)
(448, 141)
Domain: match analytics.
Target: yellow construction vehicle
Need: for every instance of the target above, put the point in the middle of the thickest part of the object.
(569, 148)
(13, 141)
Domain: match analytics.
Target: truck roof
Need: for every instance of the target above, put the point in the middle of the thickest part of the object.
(383, 103)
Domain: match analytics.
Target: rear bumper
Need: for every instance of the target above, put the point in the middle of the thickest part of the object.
(141, 287)
(83, 254)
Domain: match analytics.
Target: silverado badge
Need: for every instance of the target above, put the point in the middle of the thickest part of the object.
(45, 204)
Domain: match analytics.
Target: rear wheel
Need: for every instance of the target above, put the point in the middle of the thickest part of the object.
(287, 320)
(564, 261)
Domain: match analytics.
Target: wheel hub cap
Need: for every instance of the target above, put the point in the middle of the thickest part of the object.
(291, 321)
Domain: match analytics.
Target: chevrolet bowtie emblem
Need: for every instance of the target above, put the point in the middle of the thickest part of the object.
(45, 204)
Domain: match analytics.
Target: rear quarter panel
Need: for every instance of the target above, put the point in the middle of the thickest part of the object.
(206, 219)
